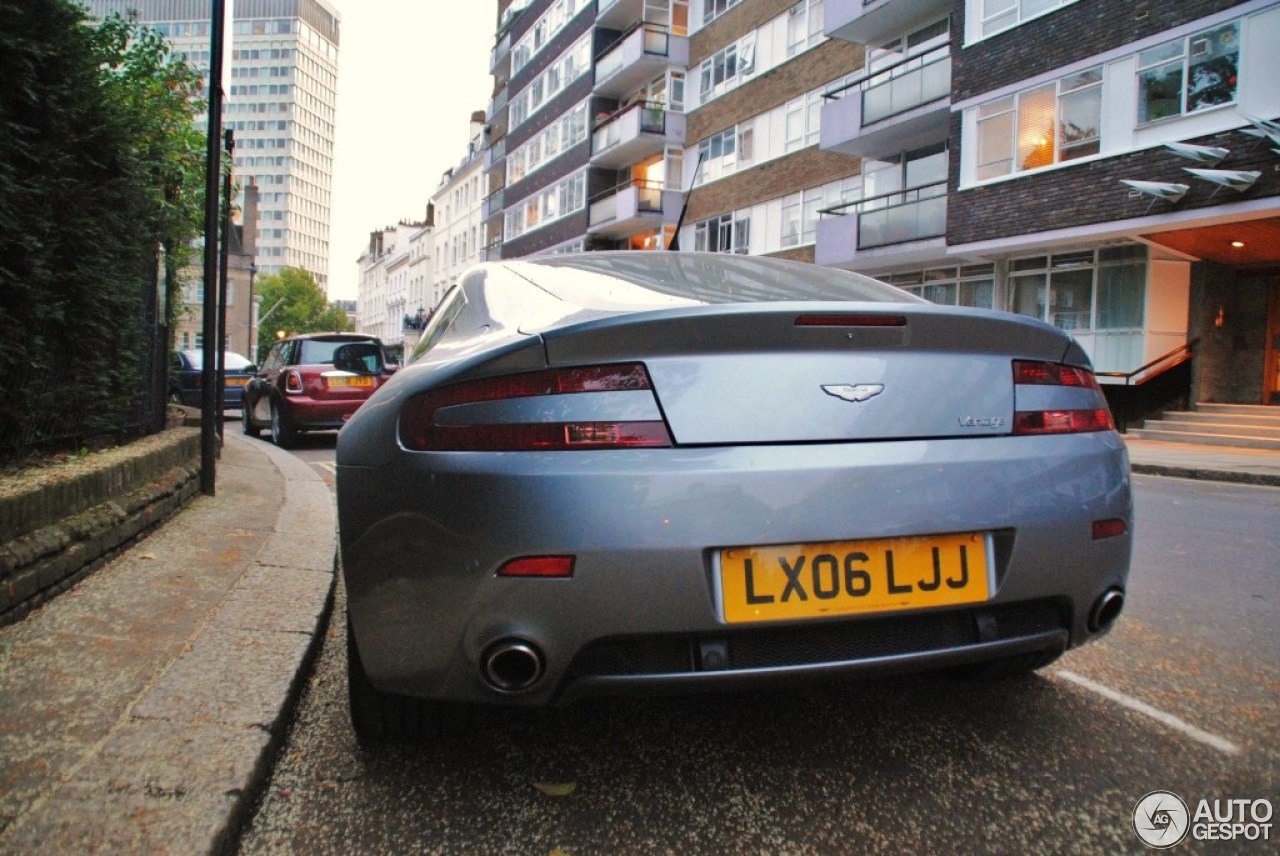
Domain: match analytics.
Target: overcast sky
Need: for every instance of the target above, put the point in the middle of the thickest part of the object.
(410, 74)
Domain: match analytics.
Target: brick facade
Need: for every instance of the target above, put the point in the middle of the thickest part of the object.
(1229, 359)
(770, 180)
(1091, 192)
(1072, 33)
(776, 86)
(733, 25)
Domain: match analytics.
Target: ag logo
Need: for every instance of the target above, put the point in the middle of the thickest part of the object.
(1161, 819)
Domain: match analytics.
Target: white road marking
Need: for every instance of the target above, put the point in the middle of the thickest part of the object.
(1167, 719)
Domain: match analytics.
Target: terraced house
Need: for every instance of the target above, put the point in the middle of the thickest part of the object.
(1109, 166)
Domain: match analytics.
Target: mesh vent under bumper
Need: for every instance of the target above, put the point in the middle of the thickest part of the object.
(827, 642)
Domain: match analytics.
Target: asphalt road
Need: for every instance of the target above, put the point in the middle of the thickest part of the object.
(1184, 696)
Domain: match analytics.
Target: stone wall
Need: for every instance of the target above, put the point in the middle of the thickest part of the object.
(61, 522)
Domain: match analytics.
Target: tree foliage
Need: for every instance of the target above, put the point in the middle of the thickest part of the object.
(100, 164)
(293, 302)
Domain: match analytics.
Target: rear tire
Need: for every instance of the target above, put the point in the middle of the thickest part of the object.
(246, 420)
(378, 717)
(282, 433)
(1005, 668)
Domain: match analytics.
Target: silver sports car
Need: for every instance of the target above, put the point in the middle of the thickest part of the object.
(620, 472)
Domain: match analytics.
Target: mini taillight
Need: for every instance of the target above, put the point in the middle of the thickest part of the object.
(292, 382)
(1059, 421)
(419, 430)
(538, 566)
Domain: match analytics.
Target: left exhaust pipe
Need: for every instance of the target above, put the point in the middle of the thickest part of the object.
(1106, 610)
(511, 665)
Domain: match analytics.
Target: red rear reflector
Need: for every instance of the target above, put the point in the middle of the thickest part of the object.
(420, 432)
(1108, 528)
(851, 321)
(538, 566)
(1061, 421)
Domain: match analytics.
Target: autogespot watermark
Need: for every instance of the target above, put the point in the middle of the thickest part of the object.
(1162, 819)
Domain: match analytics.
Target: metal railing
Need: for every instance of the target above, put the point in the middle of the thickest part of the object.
(1151, 387)
(607, 131)
(657, 41)
(604, 206)
(902, 86)
(903, 215)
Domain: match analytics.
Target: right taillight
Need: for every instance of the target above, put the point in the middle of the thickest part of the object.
(1059, 420)
(421, 431)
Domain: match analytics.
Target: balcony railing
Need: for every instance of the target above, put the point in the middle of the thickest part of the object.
(609, 130)
(902, 86)
(637, 52)
(894, 218)
(604, 206)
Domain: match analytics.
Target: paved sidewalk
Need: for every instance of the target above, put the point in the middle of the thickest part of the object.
(139, 713)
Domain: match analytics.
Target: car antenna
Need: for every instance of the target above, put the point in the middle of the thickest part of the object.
(674, 246)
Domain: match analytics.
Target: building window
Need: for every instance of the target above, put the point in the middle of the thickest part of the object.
(968, 285)
(712, 9)
(544, 29)
(566, 68)
(804, 26)
(999, 15)
(1082, 291)
(546, 206)
(1042, 126)
(1189, 74)
(723, 234)
(557, 138)
(727, 68)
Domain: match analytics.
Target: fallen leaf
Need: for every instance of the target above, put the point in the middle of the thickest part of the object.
(559, 790)
(147, 556)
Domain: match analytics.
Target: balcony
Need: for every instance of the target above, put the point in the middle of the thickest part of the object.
(500, 51)
(492, 204)
(638, 56)
(904, 106)
(908, 226)
(871, 22)
(634, 133)
(633, 207)
(618, 14)
(495, 154)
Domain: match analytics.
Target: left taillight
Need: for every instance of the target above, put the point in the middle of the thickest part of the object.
(420, 430)
(292, 382)
(1060, 420)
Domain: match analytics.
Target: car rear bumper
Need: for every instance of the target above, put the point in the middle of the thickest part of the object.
(422, 538)
(310, 414)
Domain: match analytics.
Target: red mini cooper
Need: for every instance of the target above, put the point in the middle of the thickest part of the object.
(313, 382)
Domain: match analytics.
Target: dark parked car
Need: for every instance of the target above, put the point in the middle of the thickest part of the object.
(633, 472)
(186, 378)
(313, 382)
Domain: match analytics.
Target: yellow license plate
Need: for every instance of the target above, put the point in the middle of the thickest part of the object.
(355, 381)
(792, 581)
(237, 381)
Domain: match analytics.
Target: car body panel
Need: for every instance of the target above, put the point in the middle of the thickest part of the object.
(186, 378)
(762, 454)
(300, 378)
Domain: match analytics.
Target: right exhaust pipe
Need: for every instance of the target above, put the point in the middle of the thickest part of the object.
(1106, 609)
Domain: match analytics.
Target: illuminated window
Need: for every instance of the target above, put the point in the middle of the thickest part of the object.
(1040, 127)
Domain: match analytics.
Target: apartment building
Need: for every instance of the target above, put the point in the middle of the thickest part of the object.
(281, 90)
(458, 238)
(393, 267)
(1029, 156)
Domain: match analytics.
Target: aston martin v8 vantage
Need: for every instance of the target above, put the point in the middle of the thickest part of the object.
(646, 471)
